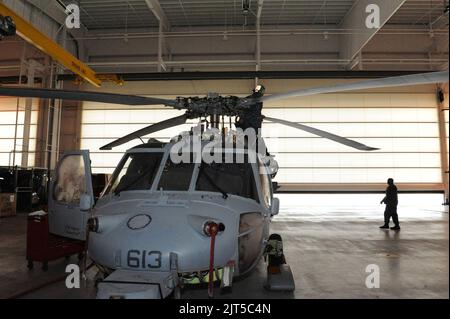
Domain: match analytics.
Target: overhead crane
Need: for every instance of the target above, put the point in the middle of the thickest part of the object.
(33, 36)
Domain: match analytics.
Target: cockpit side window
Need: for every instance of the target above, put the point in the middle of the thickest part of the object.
(71, 180)
(235, 179)
(137, 172)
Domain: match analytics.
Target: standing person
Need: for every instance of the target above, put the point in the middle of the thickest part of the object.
(391, 201)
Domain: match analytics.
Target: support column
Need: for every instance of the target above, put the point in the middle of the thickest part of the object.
(53, 123)
(161, 64)
(32, 66)
(42, 124)
(164, 24)
(443, 141)
(55, 132)
(258, 39)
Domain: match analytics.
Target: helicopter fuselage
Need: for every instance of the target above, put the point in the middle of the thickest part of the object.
(139, 229)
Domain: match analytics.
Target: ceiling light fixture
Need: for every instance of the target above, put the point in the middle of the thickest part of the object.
(245, 7)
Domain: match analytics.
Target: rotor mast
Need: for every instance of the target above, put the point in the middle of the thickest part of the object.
(214, 118)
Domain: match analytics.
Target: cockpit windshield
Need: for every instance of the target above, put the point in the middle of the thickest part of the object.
(136, 172)
(176, 176)
(228, 179)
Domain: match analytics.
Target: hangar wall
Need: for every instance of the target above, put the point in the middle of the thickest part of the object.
(403, 122)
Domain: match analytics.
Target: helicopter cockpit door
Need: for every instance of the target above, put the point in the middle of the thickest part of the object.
(71, 196)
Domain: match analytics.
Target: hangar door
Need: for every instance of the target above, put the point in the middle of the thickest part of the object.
(9, 129)
(403, 123)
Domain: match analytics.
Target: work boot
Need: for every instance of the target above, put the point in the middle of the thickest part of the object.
(395, 228)
(384, 226)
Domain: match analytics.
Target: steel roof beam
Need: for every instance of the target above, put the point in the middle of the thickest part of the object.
(164, 23)
(56, 12)
(353, 44)
(158, 12)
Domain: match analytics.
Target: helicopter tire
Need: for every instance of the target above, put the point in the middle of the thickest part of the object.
(30, 264)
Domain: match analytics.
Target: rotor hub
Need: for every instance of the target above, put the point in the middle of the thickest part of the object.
(212, 105)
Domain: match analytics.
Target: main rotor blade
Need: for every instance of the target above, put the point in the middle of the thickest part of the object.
(330, 136)
(147, 130)
(414, 79)
(84, 96)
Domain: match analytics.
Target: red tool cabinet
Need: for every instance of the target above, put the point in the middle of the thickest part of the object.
(44, 247)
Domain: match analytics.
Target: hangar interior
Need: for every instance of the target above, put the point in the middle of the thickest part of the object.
(329, 193)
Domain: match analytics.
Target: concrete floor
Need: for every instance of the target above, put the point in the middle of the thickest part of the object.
(329, 241)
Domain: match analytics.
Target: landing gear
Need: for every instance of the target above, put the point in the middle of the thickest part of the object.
(279, 274)
(30, 264)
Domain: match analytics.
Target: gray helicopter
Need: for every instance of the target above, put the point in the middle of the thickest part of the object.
(196, 210)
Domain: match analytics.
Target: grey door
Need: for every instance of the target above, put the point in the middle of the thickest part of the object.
(71, 182)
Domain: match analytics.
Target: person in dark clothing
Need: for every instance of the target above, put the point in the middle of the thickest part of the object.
(391, 201)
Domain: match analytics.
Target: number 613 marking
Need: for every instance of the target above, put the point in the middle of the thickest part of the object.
(144, 259)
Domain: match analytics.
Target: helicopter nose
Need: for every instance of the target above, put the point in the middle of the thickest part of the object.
(119, 235)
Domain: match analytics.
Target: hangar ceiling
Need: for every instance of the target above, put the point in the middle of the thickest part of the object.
(302, 35)
(114, 14)
(215, 35)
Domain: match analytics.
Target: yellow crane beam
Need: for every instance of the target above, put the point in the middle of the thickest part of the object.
(32, 35)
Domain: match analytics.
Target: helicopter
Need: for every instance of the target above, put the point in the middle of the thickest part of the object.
(195, 210)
